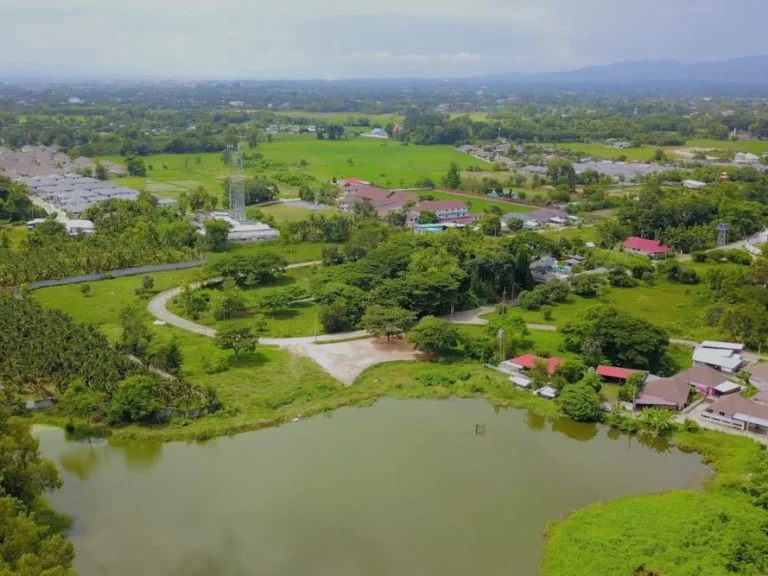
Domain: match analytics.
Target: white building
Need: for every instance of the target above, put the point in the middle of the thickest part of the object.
(748, 158)
(693, 184)
(245, 231)
(723, 356)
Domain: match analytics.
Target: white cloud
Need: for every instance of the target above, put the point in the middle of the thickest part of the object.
(355, 38)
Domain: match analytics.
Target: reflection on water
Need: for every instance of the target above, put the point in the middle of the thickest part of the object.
(404, 487)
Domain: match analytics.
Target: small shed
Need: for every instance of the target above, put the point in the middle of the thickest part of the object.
(547, 392)
(520, 381)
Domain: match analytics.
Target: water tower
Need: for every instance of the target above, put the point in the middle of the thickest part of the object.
(722, 234)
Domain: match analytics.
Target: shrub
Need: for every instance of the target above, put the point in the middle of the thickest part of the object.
(691, 425)
(546, 312)
(432, 379)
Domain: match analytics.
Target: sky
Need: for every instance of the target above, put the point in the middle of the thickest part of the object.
(256, 39)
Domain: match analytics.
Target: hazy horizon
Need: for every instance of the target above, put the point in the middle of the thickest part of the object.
(347, 39)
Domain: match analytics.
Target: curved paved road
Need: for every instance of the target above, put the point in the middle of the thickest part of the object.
(157, 307)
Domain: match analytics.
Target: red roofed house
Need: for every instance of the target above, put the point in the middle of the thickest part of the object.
(615, 374)
(652, 248)
(384, 201)
(443, 209)
(528, 361)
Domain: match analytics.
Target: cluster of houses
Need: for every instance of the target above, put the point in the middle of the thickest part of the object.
(448, 212)
(290, 129)
(712, 382)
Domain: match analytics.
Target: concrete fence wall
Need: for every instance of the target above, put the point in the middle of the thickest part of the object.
(117, 273)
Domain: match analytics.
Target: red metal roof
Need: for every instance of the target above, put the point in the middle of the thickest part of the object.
(646, 245)
(528, 361)
(614, 372)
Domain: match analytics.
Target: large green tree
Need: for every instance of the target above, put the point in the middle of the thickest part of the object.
(618, 338)
(580, 402)
(433, 335)
(389, 321)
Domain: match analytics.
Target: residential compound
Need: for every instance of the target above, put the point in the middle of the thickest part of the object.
(704, 391)
(386, 201)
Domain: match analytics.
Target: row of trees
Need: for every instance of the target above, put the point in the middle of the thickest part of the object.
(129, 233)
(28, 546)
(43, 352)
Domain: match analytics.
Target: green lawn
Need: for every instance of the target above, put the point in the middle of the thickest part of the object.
(585, 233)
(291, 212)
(639, 154)
(677, 308)
(644, 153)
(343, 117)
(15, 233)
(293, 253)
(387, 163)
(756, 147)
(477, 204)
(300, 319)
(681, 532)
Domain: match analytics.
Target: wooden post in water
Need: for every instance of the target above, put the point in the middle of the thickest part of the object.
(480, 429)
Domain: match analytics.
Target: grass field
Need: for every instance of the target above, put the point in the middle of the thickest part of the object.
(15, 233)
(291, 212)
(640, 154)
(299, 319)
(477, 203)
(644, 153)
(756, 147)
(387, 163)
(677, 308)
(343, 117)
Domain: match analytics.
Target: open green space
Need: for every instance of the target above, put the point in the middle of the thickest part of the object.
(476, 203)
(387, 163)
(343, 117)
(638, 154)
(754, 146)
(677, 308)
(291, 212)
(298, 319)
(681, 532)
(293, 253)
(16, 233)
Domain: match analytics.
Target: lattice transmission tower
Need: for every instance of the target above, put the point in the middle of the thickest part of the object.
(722, 235)
(236, 183)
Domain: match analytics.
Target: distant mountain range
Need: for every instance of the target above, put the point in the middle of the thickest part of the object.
(750, 69)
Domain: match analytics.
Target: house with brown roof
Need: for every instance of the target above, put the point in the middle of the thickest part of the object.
(445, 210)
(736, 411)
(707, 381)
(758, 375)
(664, 393)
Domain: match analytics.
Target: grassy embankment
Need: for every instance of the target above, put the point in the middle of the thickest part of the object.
(710, 532)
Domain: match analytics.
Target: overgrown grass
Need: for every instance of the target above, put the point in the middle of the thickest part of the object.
(299, 319)
(677, 308)
(713, 532)
(639, 154)
(388, 163)
(477, 204)
(16, 233)
(291, 212)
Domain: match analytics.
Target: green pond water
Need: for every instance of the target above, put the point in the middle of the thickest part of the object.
(402, 488)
